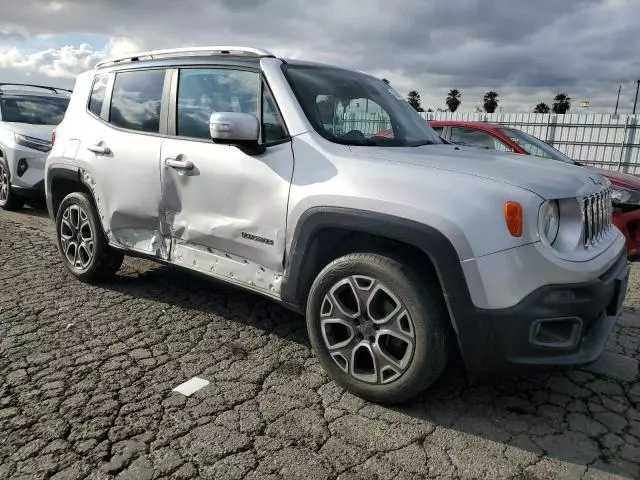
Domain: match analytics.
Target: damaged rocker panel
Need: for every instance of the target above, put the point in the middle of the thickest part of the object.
(229, 268)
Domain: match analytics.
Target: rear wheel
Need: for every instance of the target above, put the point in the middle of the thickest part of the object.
(377, 328)
(8, 198)
(82, 244)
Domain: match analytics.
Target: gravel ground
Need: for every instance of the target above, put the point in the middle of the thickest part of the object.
(86, 379)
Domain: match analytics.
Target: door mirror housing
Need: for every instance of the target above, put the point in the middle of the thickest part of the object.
(232, 127)
(239, 129)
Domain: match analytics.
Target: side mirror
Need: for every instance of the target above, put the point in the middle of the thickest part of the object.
(233, 127)
(239, 129)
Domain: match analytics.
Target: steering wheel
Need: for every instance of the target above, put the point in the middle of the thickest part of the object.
(354, 135)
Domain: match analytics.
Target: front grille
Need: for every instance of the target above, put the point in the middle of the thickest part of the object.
(596, 211)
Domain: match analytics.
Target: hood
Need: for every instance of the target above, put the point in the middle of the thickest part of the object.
(42, 132)
(550, 180)
(621, 179)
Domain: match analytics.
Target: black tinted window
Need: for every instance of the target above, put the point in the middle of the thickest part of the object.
(272, 126)
(477, 138)
(136, 100)
(202, 92)
(36, 110)
(352, 108)
(97, 94)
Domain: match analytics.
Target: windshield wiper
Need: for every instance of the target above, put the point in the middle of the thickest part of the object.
(356, 143)
(426, 142)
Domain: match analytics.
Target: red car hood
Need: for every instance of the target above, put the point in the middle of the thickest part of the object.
(620, 179)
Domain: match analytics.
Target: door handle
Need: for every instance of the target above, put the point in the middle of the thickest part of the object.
(180, 164)
(99, 149)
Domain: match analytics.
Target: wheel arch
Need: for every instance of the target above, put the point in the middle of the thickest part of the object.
(309, 247)
(60, 182)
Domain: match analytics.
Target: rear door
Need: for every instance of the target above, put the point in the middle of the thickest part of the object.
(227, 214)
(121, 146)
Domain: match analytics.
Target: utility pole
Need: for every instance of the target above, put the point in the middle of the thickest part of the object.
(618, 100)
(635, 102)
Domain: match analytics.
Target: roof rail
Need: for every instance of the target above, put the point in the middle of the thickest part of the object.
(186, 51)
(44, 87)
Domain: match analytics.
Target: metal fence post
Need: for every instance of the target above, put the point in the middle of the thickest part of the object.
(624, 140)
(546, 132)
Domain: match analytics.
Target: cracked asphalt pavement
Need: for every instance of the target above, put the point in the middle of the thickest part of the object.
(87, 372)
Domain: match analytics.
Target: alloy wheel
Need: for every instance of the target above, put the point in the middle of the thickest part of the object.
(367, 329)
(4, 184)
(76, 237)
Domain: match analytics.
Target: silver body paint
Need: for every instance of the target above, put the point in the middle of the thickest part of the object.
(208, 219)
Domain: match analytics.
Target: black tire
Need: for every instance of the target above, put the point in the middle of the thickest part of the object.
(91, 263)
(9, 200)
(422, 302)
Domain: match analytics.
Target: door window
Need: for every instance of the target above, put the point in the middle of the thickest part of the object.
(477, 138)
(202, 92)
(136, 100)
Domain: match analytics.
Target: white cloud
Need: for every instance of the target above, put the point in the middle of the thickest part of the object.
(525, 50)
(65, 62)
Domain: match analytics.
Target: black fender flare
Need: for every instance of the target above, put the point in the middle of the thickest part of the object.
(437, 247)
(57, 172)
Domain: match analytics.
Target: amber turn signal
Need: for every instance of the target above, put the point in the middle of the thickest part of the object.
(513, 217)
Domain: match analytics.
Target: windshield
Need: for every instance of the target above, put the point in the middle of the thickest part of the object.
(352, 108)
(534, 146)
(36, 110)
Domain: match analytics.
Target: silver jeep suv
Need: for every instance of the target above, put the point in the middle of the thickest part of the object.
(272, 175)
(28, 116)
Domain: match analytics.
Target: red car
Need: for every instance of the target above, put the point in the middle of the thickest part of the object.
(626, 188)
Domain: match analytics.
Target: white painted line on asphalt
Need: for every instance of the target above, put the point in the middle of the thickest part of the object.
(191, 386)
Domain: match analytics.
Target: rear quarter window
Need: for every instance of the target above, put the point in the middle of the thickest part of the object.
(136, 100)
(97, 94)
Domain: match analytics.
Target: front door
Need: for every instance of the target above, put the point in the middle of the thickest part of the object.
(226, 209)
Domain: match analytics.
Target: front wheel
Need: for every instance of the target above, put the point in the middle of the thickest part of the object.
(8, 199)
(84, 248)
(377, 328)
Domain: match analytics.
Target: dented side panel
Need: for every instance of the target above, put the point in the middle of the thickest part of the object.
(230, 201)
(126, 186)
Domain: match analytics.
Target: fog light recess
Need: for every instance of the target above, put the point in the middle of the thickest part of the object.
(556, 333)
(23, 166)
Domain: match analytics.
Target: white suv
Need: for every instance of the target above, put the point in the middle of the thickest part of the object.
(28, 116)
(254, 170)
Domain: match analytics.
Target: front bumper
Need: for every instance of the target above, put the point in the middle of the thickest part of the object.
(26, 166)
(629, 225)
(556, 325)
(31, 193)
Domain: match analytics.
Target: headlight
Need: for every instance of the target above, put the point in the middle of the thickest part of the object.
(35, 143)
(621, 195)
(549, 221)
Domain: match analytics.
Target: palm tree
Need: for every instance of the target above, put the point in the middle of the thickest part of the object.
(453, 99)
(490, 102)
(413, 99)
(541, 108)
(562, 103)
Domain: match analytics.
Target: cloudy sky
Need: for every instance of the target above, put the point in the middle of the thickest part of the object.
(526, 50)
